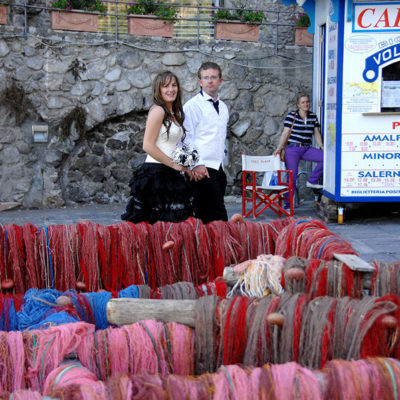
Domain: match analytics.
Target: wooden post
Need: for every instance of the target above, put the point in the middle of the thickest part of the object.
(127, 311)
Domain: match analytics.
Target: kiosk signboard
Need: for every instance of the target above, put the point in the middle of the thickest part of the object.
(370, 124)
(331, 106)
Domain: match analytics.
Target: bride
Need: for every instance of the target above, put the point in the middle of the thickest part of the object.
(159, 188)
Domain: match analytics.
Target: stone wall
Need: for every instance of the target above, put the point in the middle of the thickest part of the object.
(111, 80)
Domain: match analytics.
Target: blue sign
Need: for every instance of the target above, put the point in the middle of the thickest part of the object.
(373, 62)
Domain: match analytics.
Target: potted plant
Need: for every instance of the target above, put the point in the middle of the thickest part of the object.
(76, 15)
(3, 14)
(150, 18)
(302, 36)
(237, 24)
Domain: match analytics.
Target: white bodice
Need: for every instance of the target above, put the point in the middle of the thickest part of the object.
(167, 144)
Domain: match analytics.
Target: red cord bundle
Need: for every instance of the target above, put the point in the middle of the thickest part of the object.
(92, 257)
(310, 239)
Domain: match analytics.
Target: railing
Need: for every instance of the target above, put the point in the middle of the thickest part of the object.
(194, 21)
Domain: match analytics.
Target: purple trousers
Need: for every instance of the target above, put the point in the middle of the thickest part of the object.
(294, 154)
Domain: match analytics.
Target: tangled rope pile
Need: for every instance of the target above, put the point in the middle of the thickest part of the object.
(93, 257)
(227, 331)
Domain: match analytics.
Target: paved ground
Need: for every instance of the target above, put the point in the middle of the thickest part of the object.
(373, 231)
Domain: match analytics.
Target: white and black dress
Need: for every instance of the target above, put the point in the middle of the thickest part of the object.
(160, 193)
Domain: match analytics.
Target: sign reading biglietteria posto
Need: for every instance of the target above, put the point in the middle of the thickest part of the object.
(369, 96)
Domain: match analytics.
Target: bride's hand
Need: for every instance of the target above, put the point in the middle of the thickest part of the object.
(179, 168)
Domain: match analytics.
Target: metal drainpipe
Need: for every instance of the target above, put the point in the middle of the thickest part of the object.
(116, 20)
(276, 32)
(198, 24)
(25, 19)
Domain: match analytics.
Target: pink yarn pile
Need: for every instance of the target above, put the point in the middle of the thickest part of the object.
(377, 378)
(144, 347)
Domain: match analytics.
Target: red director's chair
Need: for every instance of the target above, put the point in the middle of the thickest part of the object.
(264, 196)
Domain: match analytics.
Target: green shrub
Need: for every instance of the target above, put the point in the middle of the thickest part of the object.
(86, 5)
(149, 7)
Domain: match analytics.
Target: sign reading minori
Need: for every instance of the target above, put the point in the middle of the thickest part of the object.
(372, 165)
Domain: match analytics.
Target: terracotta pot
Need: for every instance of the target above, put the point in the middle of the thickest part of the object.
(147, 25)
(303, 37)
(74, 20)
(236, 31)
(3, 15)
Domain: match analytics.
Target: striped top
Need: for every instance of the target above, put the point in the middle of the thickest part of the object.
(302, 131)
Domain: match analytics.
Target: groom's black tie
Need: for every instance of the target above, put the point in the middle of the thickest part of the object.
(215, 104)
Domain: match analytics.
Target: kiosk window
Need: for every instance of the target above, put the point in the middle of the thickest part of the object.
(391, 88)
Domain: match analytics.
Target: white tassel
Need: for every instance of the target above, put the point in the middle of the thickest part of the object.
(259, 277)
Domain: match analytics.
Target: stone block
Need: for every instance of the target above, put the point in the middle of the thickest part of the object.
(173, 59)
(113, 75)
(35, 63)
(98, 149)
(116, 144)
(139, 78)
(240, 128)
(129, 59)
(97, 174)
(53, 158)
(4, 49)
(121, 174)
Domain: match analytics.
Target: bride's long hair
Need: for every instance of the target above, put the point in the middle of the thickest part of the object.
(163, 79)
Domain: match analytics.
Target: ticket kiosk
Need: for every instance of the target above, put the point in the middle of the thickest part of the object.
(356, 92)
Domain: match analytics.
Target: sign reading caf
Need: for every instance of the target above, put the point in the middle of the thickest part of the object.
(376, 17)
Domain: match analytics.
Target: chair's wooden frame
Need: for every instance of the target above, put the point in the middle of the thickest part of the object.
(262, 197)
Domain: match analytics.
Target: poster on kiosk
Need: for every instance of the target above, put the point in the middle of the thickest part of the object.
(362, 101)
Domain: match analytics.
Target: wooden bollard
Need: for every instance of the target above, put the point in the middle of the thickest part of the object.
(127, 311)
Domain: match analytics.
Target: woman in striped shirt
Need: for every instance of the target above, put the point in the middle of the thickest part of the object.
(302, 125)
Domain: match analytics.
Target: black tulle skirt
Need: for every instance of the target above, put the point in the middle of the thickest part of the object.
(159, 193)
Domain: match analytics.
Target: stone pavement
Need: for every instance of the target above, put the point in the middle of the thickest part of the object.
(374, 231)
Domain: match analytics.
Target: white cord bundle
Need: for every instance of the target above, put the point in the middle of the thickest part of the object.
(260, 277)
